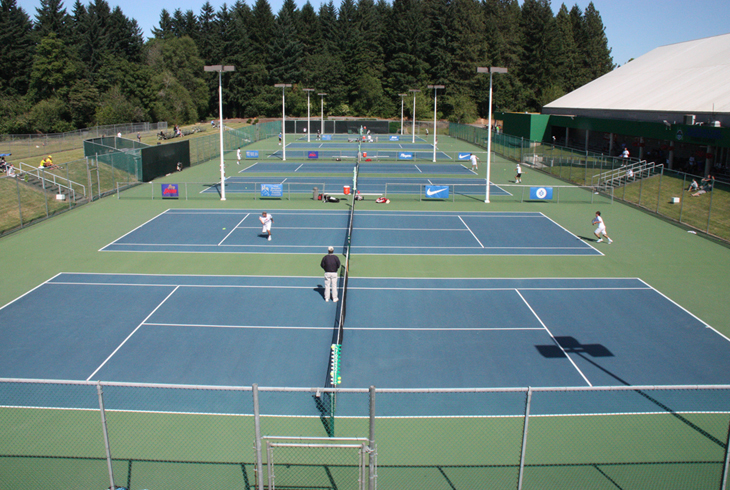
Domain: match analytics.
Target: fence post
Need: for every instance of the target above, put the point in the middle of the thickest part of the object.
(524, 438)
(681, 199)
(20, 205)
(709, 211)
(659, 193)
(42, 175)
(106, 436)
(371, 442)
(723, 484)
(257, 430)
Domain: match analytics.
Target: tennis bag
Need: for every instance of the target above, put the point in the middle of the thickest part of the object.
(330, 198)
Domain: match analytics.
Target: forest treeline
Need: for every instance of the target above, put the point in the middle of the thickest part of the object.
(91, 65)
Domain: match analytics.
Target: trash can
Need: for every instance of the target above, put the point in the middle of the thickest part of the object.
(346, 190)
(315, 193)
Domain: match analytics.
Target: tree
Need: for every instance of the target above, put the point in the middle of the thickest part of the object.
(55, 69)
(51, 17)
(16, 56)
(541, 50)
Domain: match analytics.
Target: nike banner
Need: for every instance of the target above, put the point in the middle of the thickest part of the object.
(541, 193)
(437, 191)
(464, 156)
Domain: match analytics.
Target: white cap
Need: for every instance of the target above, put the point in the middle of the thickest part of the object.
(331, 249)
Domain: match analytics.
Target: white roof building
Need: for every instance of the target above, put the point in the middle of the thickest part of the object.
(666, 84)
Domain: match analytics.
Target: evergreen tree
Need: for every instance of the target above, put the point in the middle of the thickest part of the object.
(262, 30)
(408, 47)
(51, 16)
(540, 50)
(597, 59)
(16, 56)
(165, 29)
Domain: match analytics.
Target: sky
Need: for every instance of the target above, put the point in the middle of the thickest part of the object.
(633, 27)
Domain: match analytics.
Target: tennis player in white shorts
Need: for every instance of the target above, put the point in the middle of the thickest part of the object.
(601, 230)
(266, 220)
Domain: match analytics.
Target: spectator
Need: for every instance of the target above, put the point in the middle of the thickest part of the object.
(693, 187)
(625, 153)
(3, 164)
(706, 186)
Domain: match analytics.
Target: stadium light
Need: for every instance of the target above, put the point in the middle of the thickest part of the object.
(490, 70)
(321, 110)
(414, 90)
(401, 113)
(435, 89)
(309, 131)
(283, 87)
(220, 69)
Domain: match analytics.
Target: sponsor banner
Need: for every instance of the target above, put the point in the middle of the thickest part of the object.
(437, 191)
(272, 190)
(252, 153)
(312, 154)
(405, 155)
(394, 137)
(541, 193)
(170, 191)
(327, 137)
(464, 156)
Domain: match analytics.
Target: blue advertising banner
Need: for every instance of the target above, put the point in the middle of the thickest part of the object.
(252, 153)
(437, 191)
(541, 193)
(272, 190)
(312, 154)
(405, 155)
(394, 137)
(170, 191)
(327, 137)
(464, 156)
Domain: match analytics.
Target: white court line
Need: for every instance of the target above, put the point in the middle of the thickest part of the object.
(300, 166)
(417, 168)
(472, 234)
(234, 229)
(250, 167)
(573, 234)
(685, 310)
(28, 292)
(470, 170)
(553, 338)
(130, 335)
(265, 327)
(137, 228)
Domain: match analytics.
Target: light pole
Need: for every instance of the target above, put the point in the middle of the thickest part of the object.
(490, 70)
(309, 131)
(321, 110)
(414, 90)
(220, 69)
(401, 113)
(435, 89)
(283, 87)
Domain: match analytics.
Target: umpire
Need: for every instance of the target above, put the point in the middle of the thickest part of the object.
(331, 265)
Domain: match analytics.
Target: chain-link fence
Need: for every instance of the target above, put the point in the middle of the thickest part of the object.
(205, 148)
(29, 194)
(64, 434)
(25, 146)
(663, 191)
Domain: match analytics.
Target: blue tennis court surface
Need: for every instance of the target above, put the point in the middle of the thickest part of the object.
(399, 333)
(374, 232)
(365, 168)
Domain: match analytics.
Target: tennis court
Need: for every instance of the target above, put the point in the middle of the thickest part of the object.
(222, 330)
(375, 232)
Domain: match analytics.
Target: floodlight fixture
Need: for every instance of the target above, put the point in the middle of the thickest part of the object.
(414, 90)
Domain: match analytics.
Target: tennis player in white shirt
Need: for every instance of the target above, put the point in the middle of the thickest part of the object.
(601, 230)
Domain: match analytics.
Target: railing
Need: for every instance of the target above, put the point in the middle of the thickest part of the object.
(626, 174)
(56, 180)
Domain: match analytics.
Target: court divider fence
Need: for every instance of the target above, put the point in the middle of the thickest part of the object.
(666, 193)
(88, 434)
